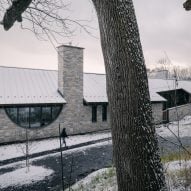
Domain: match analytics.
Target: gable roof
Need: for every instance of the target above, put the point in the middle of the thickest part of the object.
(37, 86)
(160, 85)
(95, 89)
(28, 86)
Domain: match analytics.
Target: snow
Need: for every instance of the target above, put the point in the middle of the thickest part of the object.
(102, 180)
(17, 150)
(184, 128)
(98, 180)
(20, 177)
(175, 165)
(79, 149)
(88, 178)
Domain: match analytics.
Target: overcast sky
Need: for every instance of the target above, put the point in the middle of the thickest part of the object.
(164, 27)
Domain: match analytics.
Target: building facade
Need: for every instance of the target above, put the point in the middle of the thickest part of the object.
(33, 103)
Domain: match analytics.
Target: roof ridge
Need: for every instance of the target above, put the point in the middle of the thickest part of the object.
(94, 73)
(15, 67)
(26, 68)
(179, 80)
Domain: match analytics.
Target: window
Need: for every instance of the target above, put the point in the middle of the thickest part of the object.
(46, 117)
(94, 113)
(33, 116)
(23, 116)
(104, 112)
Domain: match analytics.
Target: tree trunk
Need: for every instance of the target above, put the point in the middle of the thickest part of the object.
(135, 146)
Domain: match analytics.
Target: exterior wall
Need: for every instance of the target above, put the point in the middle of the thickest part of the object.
(190, 98)
(75, 117)
(10, 132)
(182, 110)
(84, 122)
(157, 111)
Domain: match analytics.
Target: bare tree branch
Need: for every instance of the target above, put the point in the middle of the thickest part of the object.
(45, 18)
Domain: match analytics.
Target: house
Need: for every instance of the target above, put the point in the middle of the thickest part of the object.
(34, 102)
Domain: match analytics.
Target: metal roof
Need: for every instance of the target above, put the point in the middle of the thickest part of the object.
(28, 86)
(35, 86)
(95, 89)
(160, 85)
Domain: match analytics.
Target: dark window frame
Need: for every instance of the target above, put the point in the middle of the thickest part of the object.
(104, 112)
(94, 113)
(16, 121)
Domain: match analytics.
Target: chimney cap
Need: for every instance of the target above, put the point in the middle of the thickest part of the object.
(69, 46)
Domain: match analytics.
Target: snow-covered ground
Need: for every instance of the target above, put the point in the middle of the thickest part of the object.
(184, 128)
(176, 165)
(105, 179)
(17, 150)
(20, 176)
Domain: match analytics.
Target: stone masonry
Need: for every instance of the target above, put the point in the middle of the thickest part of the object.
(157, 108)
(179, 112)
(75, 116)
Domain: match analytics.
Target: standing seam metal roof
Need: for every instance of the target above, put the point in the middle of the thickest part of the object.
(37, 86)
(28, 86)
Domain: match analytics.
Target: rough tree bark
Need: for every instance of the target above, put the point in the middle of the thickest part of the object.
(187, 5)
(135, 144)
(14, 13)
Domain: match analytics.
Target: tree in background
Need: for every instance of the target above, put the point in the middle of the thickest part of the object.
(135, 145)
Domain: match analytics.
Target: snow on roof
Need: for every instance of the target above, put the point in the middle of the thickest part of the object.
(95, 89)
(28, 86)
(160, 85)
(31, 86)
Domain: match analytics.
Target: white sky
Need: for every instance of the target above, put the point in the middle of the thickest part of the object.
(164, 27)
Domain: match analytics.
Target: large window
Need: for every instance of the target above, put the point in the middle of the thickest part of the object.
(33, 116)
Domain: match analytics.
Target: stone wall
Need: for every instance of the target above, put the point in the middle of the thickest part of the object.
(182, 110)
(157, 113)
(11, 132)
(75, 116)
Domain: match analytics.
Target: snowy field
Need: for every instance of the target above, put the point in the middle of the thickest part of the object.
(105, 179)
(168, 129)
(19, 175)
(17, 150)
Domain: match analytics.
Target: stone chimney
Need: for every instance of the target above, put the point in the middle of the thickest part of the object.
(70, 85)
(70, 72)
